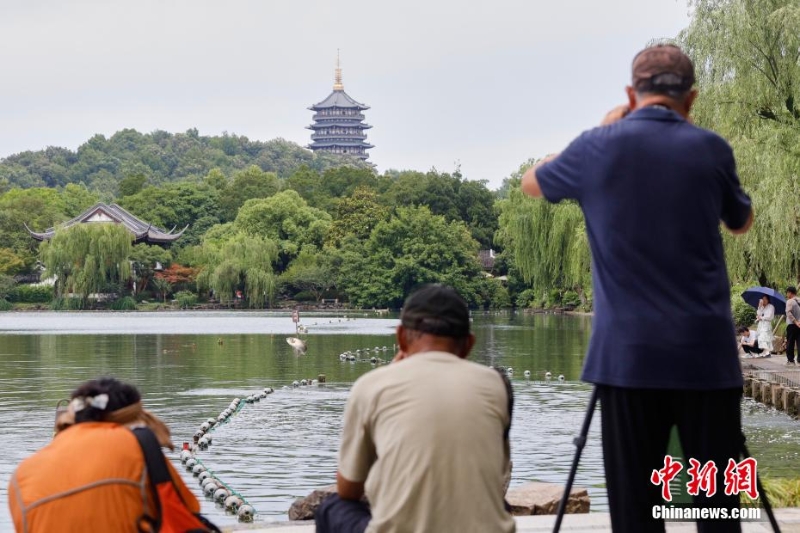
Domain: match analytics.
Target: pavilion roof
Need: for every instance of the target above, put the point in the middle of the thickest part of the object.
(100, 212)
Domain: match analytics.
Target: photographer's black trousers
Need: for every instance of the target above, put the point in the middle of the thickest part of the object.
(636, 425)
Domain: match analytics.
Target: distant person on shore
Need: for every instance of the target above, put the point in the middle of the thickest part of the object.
(764, 315)
(92, 476)
(653, 189)
(792, 325)
(749, 341)
(426, 437)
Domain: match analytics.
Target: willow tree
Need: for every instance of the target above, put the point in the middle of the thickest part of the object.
(87, 258)
(547, 242)
(747, 56)
(232, 261)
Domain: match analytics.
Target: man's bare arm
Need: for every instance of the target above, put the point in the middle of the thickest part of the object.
(348, 490)
(530, 185)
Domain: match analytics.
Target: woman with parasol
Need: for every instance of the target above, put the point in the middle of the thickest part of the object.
(764, 315)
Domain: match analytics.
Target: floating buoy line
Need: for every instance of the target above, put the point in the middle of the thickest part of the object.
(213, 487)
(224, 495)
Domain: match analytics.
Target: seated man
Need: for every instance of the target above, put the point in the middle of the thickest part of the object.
(749, 341)
(426, 436)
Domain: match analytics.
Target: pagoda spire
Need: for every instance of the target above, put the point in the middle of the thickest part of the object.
(337, 83)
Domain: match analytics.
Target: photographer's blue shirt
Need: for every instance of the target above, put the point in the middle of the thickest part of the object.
(653, 189)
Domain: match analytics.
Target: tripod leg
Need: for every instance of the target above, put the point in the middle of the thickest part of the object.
(580, 442)
(764, 499)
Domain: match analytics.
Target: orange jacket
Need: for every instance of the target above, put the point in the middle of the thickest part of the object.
(91, 477)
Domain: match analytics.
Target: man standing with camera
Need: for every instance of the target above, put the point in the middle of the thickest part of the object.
(653, 189)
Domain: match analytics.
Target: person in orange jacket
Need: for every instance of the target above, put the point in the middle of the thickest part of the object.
(92, 476)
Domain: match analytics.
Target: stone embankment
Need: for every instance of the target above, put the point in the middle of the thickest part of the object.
(528, 499)
(770, 382)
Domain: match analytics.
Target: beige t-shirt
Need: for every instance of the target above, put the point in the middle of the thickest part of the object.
(426, 434)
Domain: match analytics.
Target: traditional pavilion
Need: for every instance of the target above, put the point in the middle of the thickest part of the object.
(338, 123)
(140, 230)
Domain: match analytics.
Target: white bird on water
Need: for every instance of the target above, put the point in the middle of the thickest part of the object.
(298, 344)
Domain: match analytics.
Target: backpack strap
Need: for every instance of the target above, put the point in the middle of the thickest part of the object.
(157, 472)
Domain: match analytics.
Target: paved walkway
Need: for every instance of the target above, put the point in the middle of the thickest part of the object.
(577, 523)
(773, 369)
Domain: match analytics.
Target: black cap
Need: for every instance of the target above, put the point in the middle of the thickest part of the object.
(437, 310)
(662, 69)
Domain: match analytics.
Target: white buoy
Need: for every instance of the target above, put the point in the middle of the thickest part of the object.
(220, 494)
(510, 371)
(210, 489)
(198, 469)
(246, 513)
(352, 358)
(211, 421)
(303, 382)
(205, 426)
(269, 390)
(185, 456)
(342, 357)
(209, 480)
(548, 375)
(203, 443)
(295, 383)
(203, 476)
(527, 373)
(190, 463)
(373, 360)
(561, 377)
(232, 503)
(209, 438)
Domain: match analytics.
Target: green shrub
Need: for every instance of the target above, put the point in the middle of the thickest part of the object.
(782, 492)
(124, 304)
(743, 313)
(571, 299)
(7, 286)
(553, 298)
(526, 298)
(67, 304)
(185, 299)
(32, 294)
(5, 305)
(305, 296)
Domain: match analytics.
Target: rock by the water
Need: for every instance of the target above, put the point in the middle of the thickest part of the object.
(304, 508)
(543, 498)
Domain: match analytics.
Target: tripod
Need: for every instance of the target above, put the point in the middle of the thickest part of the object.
(580, 442)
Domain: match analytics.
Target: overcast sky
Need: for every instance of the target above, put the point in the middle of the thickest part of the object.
(483, 84)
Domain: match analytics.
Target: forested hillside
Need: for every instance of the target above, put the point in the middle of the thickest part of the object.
(160, 157)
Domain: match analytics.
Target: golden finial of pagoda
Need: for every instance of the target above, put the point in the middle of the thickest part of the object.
(337, 84)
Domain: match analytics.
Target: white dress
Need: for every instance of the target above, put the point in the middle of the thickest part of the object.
(764, 316)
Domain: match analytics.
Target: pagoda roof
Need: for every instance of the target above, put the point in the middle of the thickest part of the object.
(339, 98)
(340, 124)
(100, 212)
(347, 144)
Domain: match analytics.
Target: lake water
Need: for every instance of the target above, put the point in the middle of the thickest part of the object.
(190, 365)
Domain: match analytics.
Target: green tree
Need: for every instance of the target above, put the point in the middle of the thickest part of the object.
(132, 184)
(10, 263)
(286, 219)
(412, 248)
(548, 242)
(309, 272)
(746, 54)
(231, 261)
(162, 287)
(77, 199)
(247, 184)
(86, 258)
(357, 215)
(39, 208)
(146, 259)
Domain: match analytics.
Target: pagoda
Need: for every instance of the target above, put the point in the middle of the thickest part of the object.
(140, 230)
(338, 123)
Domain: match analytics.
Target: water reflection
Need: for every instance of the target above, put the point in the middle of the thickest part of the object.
(284, 446)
